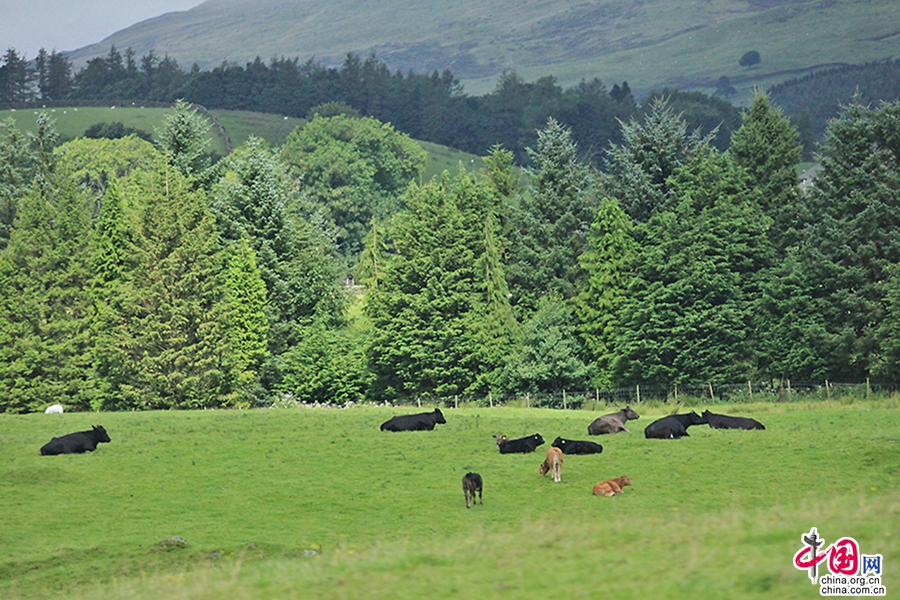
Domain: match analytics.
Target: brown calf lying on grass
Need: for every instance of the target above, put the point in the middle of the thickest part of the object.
(553, 463)
(472, 483)
(611, 487)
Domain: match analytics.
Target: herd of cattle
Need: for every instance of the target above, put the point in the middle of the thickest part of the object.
(668, 427)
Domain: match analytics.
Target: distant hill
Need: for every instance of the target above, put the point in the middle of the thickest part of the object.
(684, 44)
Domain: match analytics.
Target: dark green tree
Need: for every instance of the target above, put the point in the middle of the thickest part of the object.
(768, 147)
(608, 262)
(184, 139)
(549, 227)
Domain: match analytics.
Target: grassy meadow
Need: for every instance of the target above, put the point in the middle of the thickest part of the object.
(319, 503)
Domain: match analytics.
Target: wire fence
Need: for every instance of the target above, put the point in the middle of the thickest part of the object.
(708, 393)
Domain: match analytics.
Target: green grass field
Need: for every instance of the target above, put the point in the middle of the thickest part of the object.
(319, 503)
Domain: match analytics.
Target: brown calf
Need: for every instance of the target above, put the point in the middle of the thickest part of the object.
(553, 463)
(612, 486)
(471, 483)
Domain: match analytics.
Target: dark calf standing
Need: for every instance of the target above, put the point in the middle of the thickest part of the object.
(472, 483)
(417, 422)
(613, 422)
(673, 426)
(76, 443)
(577, 446)
(521, 445)
(727, 422)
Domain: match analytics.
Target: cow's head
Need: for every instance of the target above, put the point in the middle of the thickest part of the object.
(102, 436)
(440, 416)
(630, 414)
(537, 438)
(697, 419)
(500, 438)
(559, 442)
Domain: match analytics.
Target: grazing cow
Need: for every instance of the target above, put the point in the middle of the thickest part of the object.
(521, 445)
(727, 422)
(553, 463)
(611, 487)
(613, 422)
(472, 483)
(76, 443)
(577, 446)
(416, 422)
(54, 409)
(673, 426)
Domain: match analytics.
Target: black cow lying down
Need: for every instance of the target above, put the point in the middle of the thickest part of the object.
(521, 445)
(417, 422)
(76, 443)
(673, 426)
(728, 422)
(577, 446)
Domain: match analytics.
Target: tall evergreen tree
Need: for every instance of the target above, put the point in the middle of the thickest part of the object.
(183, 138)
(45, 306)
(550, 225)
(608, 262)
(768, 147)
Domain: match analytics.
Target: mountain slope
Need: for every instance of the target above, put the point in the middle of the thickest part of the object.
(650, 43)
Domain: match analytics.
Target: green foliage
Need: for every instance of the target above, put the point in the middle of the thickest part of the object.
(183, 138)
(427, 308)
(93, 163)
(353, 169)
(653, 150)
(45, 306)
(114, 131)
(750, 59)
(549, 357)
(687, 316)
(15, 174)
(548, 229)
(767, 147)
(608, 262)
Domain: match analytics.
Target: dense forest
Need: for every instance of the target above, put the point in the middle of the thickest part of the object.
(138, 275)
(431, 107)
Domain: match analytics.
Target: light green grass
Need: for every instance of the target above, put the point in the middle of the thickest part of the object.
(72, 122)
(241, 124)
(320, 503)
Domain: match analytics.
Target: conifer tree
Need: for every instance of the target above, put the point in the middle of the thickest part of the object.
(183, 138)
(608, 263)
(45, 306)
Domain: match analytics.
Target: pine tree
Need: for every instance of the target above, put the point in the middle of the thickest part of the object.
(45, 306)
(183, 138)
(549, 227)
(608, 263)
(768, 147)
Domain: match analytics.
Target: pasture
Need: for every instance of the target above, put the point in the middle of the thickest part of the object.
(319, 503)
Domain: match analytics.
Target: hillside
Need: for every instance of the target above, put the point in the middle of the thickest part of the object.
(650, 43)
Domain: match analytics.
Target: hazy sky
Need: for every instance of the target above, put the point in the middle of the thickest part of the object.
(28, 25)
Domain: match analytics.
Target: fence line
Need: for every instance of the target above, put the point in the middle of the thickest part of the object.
(750, 391)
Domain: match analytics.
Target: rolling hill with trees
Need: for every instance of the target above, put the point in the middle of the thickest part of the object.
(649, 43)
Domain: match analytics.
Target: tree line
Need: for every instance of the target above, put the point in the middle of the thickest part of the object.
(135, 275)
(428, 106)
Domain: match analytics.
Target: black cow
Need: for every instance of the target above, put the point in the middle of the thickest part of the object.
(727, 422)
(673, 426)
(577, 446)
(76, 443)
(417, 422)
(521, 445)
(472, 483)
(613, 422)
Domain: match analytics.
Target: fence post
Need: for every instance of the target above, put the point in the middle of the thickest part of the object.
(638, 389)
(455, 401)
(676, 393)
(868, 389)
(491, 399)
(419, 402)
(564, 399)
(827, 390)
(750, 388)
(711, 396)
(789, 389)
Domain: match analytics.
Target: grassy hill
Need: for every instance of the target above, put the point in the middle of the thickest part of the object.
(72, 122)
(313, 503)
(649, 43)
